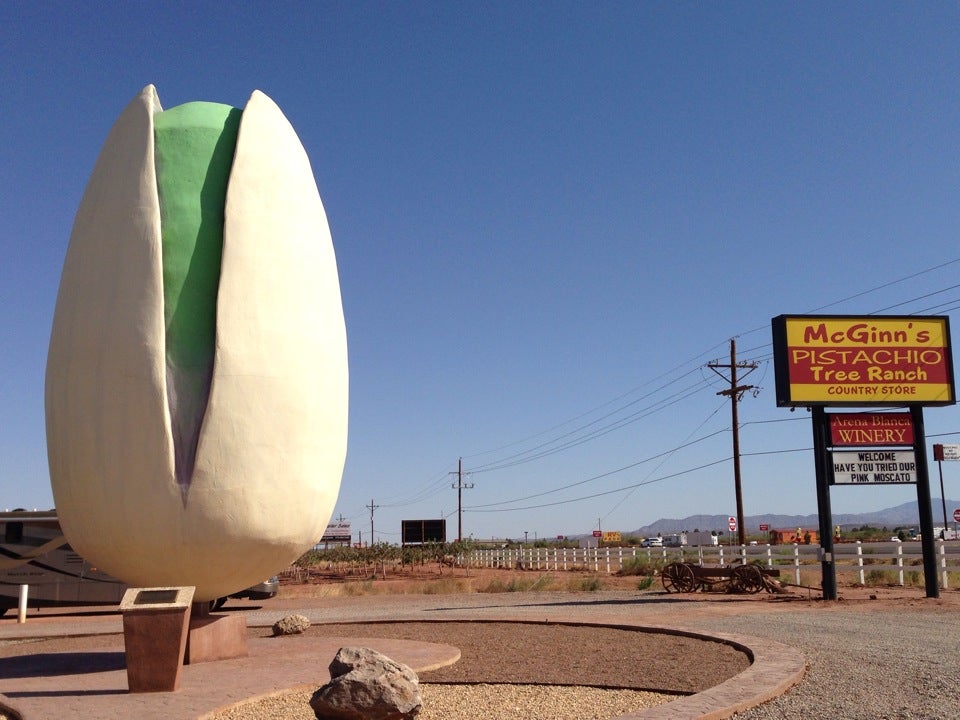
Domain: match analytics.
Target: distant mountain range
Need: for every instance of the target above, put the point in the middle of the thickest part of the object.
(904, 515)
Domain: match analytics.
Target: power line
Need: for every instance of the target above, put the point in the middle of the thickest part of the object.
(600, 476)
(662, 404)
(602, 405)
(610, 492)
(667, 456)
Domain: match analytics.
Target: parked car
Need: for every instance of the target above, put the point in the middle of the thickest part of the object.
(652, 542)
(261, 591)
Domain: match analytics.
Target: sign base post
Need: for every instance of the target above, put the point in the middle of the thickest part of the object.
(828, 570)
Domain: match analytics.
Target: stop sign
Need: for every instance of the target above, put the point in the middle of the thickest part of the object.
(732, 523)
(956, 515)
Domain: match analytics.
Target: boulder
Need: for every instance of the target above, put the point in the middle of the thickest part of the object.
(291, 625)
(367, 685)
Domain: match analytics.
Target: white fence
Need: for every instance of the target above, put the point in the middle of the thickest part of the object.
(860, 559)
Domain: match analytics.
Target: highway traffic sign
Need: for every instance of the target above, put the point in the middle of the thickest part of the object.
(956, 515)
(732, 523)
(764, 527)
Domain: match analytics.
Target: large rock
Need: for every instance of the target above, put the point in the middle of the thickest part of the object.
(366, 685)
(291, 625)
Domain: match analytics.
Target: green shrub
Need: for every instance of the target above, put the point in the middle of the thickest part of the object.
(443, 586)
(591, 584)
(876, 577)
(364, 587)
(645, 583)
(544, 582)
(514, 585)
(494, 586)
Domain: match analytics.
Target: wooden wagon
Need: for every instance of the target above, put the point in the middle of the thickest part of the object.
(687, 577)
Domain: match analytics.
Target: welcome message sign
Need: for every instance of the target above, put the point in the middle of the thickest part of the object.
(856, 360)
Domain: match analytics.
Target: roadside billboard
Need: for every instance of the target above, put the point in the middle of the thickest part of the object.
(337, 533)
(419, 532)
(836, 360)
(612, 537)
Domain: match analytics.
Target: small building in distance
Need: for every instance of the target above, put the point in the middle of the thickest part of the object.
(800, 536)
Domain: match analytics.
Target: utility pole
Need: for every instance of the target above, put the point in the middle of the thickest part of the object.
(460, 486)
(735, 393)
(372, 508)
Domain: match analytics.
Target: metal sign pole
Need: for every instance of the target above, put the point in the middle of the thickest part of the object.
(925, 505)
(828, 570)
(938, 456)
(943, 500)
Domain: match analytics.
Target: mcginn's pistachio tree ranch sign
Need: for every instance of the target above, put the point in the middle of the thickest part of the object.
(862, 360)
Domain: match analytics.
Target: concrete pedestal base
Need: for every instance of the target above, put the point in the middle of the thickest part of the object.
(216, 637)
(155, 622)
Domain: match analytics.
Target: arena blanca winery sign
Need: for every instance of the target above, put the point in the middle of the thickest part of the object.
(859, 429)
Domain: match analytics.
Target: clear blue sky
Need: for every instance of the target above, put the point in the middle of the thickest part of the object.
(547, 216)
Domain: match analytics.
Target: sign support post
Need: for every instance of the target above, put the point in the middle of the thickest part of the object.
(828, 569)
(925, 505)
(938, 455)
(943, 499)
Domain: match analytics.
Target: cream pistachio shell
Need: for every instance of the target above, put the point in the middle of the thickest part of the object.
(273, 438)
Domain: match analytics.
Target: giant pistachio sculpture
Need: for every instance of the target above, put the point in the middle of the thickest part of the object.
(196, 387)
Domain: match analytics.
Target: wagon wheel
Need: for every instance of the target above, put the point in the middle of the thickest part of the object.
(678, 577)
(746, 579)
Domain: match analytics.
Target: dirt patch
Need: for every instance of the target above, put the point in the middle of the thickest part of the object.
(560, 654)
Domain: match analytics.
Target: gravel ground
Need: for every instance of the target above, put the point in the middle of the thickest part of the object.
(478, 702)
(878, 665)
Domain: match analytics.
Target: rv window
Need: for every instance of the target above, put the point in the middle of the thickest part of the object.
(14, 532)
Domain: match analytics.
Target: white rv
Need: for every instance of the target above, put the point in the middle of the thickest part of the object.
(34, 552)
